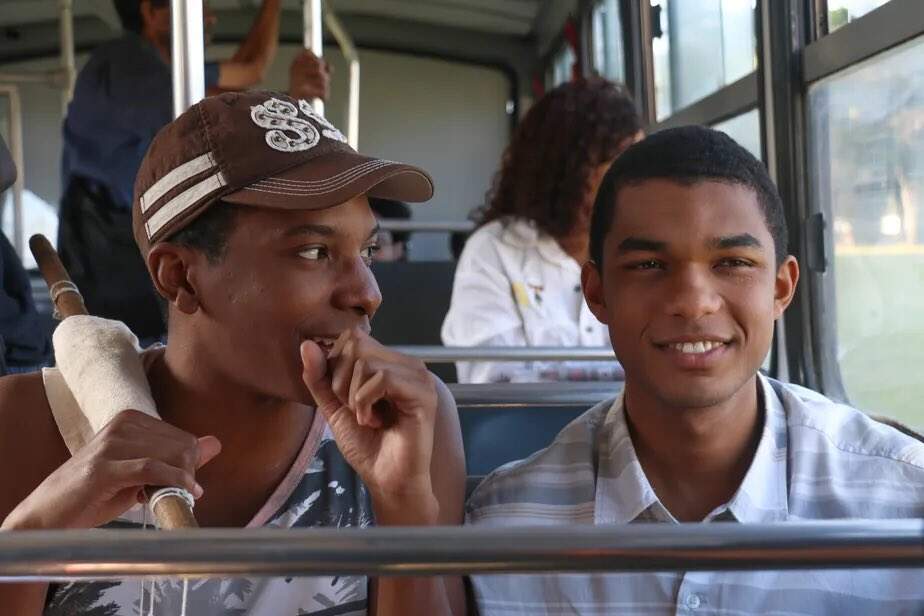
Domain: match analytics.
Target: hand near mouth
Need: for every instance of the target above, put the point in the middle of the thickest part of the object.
(381, 407)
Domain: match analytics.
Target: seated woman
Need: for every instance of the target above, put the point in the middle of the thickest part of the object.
(518, 282)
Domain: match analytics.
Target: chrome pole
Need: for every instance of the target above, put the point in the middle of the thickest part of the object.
(16, 150)
(442, 355)
(345, 42)
(314, 38)
(66, 37)
(187, 54)
(203, 553)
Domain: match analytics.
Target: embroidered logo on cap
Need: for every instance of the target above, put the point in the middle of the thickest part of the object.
(330, 131)
(287, 131)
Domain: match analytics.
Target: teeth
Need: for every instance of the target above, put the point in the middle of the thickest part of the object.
(702, 346)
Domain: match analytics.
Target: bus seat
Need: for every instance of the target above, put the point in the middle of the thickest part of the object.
(503, 422)
(415, 300)
(495, 436)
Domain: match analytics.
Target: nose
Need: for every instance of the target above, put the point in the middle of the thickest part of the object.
(357, 291)
(692, 293)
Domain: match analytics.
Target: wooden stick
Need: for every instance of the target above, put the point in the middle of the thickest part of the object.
(171, 511)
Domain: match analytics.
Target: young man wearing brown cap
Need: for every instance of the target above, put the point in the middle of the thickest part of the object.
(252, 215)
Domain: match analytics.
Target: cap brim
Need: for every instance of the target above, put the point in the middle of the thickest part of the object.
(333, 179)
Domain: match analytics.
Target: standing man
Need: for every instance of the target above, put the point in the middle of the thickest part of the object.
(689, 269)
(122, 97)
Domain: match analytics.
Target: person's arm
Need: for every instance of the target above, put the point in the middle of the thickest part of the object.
(309, 77)
(247, 67)
(30, 450)
(394, 595)
(45, 488)
(389, 416)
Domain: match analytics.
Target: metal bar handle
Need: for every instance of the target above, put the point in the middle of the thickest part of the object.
(444, 355)
(424, 226)
(188, 54)
(92, 554)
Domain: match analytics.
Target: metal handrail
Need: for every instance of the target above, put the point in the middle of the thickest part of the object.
(62, 77)
(313, 37)
(492, 396)
(422, 226)
(348, 49)
(16, 150)
(188, 54)
(68, 555)
(444, 355)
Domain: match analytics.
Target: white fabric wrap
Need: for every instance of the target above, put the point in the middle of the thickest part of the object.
(100, 363)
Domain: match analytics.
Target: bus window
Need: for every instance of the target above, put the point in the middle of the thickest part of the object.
(693, 34)
(608, 45)
(867, 161)
(562, 66)
(842, 12)
(745, 129)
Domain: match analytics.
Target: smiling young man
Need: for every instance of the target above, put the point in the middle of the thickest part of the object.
(279, 409)
(690, 270)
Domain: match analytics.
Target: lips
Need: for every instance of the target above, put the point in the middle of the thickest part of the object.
(696, 352)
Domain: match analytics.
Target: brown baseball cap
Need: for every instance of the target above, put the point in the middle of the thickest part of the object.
(262, 149)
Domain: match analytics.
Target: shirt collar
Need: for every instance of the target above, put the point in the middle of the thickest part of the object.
(522, 234)
(623, 493)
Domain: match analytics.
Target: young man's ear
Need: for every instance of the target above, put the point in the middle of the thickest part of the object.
(592, 283)
(787, 279)
(170, 270)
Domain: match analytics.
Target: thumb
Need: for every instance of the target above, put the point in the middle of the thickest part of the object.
(314, 374)
(208, 448)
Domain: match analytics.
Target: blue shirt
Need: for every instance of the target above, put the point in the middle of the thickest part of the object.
(122, 97)
(816, 460)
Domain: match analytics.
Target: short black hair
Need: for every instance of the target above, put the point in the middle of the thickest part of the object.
(130, 13)
(209, 232)
(688, 155)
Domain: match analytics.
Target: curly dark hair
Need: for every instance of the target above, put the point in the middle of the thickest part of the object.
(545, 171)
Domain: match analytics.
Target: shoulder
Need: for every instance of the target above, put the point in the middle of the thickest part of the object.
(847, 464)
(554, 485)
(30, 443)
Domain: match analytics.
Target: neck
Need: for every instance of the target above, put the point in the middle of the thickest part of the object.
(188, 391)
(696, 458)
(162, 46)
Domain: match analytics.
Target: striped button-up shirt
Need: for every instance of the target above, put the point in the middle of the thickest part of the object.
(816, 460)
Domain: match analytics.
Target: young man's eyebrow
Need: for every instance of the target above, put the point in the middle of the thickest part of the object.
(322, 230)
(640, 244)
(742, 240)
(310, 229)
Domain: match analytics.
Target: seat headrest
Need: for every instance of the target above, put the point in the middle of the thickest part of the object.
(7, 167)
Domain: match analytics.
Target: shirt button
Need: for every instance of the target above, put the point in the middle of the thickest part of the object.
(694, 601)
(589, 329)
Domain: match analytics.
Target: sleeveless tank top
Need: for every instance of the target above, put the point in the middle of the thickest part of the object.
(320, 489)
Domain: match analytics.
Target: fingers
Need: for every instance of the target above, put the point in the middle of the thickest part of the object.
(133, 436)
(314, 374)
(153, 472)
(208, 447)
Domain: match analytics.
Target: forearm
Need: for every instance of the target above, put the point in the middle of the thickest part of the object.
(263, 38)
(21, 599)
(410, 596)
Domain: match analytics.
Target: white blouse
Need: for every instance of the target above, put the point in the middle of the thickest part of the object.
(515, 286)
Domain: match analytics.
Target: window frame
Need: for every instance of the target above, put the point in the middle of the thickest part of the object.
(882, 29)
